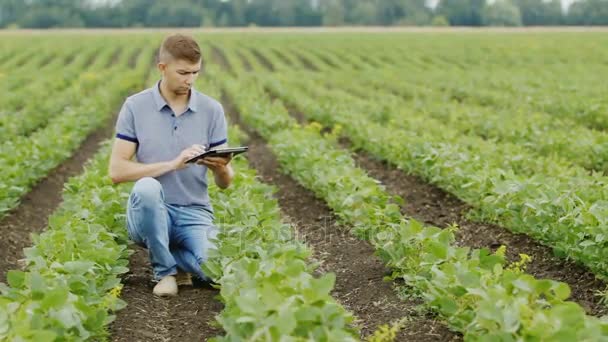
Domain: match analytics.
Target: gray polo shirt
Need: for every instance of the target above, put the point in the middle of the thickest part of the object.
(147, 120)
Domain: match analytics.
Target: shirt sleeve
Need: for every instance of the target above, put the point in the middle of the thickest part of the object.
(125, 125)
(218, 134)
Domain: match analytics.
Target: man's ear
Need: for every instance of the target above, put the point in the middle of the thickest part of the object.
(162, 67)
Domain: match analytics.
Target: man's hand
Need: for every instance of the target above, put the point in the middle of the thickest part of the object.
(222, 171)
(215, 164)
(187, 154)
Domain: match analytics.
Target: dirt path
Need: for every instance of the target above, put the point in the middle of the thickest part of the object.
(282, 57)
(244, 61)
(306, 62)
(359, 273)
(187, 317)
(262, 59)
(218, 57)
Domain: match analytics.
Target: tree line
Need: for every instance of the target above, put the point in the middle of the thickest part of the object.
(224, 13)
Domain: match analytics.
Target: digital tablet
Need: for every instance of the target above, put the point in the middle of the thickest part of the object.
(220, 152)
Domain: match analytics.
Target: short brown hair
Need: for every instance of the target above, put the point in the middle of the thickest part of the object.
(179, 46)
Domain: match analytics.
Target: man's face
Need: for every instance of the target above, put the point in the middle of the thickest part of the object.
(179, 75)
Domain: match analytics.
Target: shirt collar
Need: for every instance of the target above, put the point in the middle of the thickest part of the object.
(161, 103)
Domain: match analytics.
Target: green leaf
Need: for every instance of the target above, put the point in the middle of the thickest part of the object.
(15, 278)
(562, 291)
(43, 335)
(54, 298)
(324, 284)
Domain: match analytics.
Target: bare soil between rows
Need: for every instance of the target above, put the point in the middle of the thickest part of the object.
(188, 317)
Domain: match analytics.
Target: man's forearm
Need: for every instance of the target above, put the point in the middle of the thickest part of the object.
(128, 171)
(223, 177)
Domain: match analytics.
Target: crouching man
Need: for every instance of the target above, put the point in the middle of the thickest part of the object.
(168, 211)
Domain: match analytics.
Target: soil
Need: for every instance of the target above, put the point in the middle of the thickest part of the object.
(326, 60)
(369, 61)
(218, 57)
(282, 57)
(187, 317)
(133, 58)
(244, 61)
(89, 61)
(114, 59)
(262, 59)
(47, 60)
(307, 63)
(71, 57)
(360, 287)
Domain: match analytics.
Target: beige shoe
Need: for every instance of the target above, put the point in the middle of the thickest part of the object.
(183, 278)
(166, 287)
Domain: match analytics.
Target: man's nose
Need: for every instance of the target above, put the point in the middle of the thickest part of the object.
(190, 79)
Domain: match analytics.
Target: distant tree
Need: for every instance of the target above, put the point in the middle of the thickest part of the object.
(134, 12)
(261, 13)
(540, 12)
(416, 12)
(588, 12)
(364, 13)
(238, 11)
(191, 13)
(333, 13)
(42, 18)
(501, 13)
(11, 11)
(173, 14)
(461, 12)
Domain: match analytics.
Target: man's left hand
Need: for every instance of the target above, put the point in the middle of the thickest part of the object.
(215, 164)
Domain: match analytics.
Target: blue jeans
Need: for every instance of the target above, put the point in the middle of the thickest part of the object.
(175, 236)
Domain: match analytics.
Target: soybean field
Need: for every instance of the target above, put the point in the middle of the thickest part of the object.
(399, 186)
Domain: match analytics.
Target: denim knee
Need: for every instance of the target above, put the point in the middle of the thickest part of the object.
(147, 191)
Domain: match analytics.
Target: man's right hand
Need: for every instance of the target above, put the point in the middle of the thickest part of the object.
(187, 154)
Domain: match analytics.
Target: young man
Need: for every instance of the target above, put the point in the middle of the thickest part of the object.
(168, 210)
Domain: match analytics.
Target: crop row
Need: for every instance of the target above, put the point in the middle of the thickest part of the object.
(267, 286)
